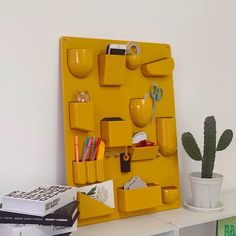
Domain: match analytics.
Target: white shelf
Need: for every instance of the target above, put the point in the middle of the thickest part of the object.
(183, 217)
(144, 225)
(161, 222)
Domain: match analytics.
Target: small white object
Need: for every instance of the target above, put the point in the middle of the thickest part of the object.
(205, 191)
(139, 137)
(134, 183)
(219, 207)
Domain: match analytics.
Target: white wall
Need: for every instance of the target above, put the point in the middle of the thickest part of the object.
(202, 35)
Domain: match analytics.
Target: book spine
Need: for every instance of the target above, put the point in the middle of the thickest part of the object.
(33, 220)
(36, 230)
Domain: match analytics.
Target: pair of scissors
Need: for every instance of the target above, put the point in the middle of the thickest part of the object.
(156, 94)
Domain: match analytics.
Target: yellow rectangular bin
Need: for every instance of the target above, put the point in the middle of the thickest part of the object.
(143, 153)
(111, 69)
(139, 199)
(116, 133)
(81, 116)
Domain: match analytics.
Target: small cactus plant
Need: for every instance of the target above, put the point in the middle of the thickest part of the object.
(210, 147)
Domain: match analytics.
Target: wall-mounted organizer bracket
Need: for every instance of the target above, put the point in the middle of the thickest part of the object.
(116, 131)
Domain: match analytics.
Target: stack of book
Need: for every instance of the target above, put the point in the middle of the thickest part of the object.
(44, 211)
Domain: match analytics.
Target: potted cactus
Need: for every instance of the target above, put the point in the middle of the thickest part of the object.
(205, 185)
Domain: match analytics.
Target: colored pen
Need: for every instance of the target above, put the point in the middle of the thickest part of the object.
(96, 148)
(87, 149)
(76, 143)
(92, 148)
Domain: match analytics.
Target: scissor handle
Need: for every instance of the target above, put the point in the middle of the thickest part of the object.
(156, 92)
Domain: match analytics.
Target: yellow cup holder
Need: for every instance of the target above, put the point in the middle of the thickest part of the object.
(133, 61)
(80, 61)
(170, 194)
(140, 111)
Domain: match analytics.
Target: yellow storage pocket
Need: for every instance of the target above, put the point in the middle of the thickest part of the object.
(81, 116)
(143, 153)
(139, 199)
(166, 135)
(79, 172)
(116, 133)
(161, 67)
(90, 207)
(100, 170)
(111, 69)
(91, 172)
(170, 194)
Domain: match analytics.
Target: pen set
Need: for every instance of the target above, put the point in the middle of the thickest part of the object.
(94, 149)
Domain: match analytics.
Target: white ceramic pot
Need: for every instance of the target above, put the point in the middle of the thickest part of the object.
(205, 192)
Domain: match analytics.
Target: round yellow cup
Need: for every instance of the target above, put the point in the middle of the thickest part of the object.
(133, 61)
(140, 111)
(80, 61)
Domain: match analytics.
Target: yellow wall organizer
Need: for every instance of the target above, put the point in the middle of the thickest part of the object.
(117, 85)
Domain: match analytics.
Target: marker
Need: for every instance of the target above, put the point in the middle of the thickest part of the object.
(76, 143)
(87, 149)
(96, 148)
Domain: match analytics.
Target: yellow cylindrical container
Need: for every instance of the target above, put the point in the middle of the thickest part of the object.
(79, 172)
(100, 170)
(80, 61)
(91, 172)
(170, 194)
(166, 135)
(140, 111)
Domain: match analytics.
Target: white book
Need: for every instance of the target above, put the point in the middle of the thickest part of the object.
(40, 201)
(34, 230)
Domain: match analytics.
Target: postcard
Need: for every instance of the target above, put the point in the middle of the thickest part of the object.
(102, 192)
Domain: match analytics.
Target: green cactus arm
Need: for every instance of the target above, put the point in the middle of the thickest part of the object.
(191, 147)
(225, 140)
(209, 150)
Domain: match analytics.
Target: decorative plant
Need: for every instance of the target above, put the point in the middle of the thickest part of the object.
(210, 147)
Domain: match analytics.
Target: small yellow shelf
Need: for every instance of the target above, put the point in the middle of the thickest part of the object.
(162, 67)
(143, 153)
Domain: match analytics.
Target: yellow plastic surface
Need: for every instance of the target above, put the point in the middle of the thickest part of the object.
(161, 67)
(139, 199)
(112, 100)
(79, 172)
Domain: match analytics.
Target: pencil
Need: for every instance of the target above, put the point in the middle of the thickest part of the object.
(76, 143)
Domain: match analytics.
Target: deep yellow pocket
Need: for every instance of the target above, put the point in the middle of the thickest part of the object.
(116, 133)
(111, 70)
(139, 199)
